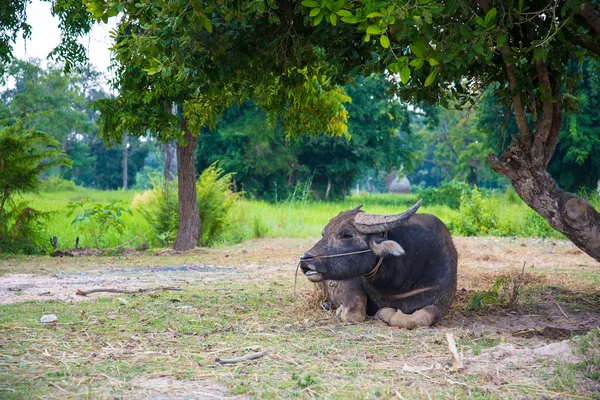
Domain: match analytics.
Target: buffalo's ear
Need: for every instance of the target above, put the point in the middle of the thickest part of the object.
(383, 247)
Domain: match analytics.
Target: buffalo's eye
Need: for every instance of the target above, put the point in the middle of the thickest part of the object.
(346, 235)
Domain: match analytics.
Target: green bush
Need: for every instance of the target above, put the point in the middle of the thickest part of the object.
(24, 156)
(215, 200)
(448, 194)
(94, 220)
(476, 216)
(536, 226)
(22, 229)
(215, 203)
(58, 184)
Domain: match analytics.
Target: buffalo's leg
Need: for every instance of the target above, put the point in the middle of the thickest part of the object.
(348, 299)
(425, 316)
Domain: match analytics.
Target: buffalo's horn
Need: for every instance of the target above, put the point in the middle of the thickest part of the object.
(371, 223)
(357, 208)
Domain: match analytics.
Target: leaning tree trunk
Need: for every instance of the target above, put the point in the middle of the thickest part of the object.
(525, 161)
(189, 217)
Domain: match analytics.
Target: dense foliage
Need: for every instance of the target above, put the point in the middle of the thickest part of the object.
(215, 203)
(24, 155)
(267, 165)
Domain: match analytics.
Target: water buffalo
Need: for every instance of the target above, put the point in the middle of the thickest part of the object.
(401, 268)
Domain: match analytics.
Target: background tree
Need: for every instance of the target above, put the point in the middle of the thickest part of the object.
(455, 148)
(521, 50)
(380, 139)
(205, 57)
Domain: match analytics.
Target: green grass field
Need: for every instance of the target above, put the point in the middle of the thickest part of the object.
(249, 219)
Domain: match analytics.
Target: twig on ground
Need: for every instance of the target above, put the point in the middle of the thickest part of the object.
(123, 244)
(561, 310)
(125, 291)
(456, 360)
(247, 357)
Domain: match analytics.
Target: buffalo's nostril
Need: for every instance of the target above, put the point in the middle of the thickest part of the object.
(306, 257)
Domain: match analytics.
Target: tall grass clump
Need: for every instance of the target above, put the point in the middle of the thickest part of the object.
(216, 200)
(448, 194)
(476, 216)
(58, 184)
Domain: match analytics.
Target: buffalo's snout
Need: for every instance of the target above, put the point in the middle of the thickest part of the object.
(306, 257)
(309, 269)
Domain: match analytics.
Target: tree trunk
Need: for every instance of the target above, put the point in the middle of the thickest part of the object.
(565, 212)
(170, 165)
(189, 217)
(328, 189)
(525, 161)
(125, 161)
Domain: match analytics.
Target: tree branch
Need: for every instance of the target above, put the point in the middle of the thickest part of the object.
(556, 125)
(518, 105)
(125, 291)
(581, 42)
(592, 17)
(542, 127)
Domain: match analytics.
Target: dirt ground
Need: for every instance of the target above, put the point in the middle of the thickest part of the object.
(561, 282)
(551, 263)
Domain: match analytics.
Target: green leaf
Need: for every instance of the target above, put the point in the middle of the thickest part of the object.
(385, 41)
(374, 30)
(318, 20)
(375, 14)
(151, 71)
(310, 3)
(338, 4)
(490, 16)
(394, 67)
(314, 12)
(431, 78)
(416, 51)
(333, 19)
(433, 62)
(206, 23)
(350, 20)
(478, 20)
(405, 75)
(343, 13)
(417, 63)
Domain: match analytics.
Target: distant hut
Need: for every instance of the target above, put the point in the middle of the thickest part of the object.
(397, 185)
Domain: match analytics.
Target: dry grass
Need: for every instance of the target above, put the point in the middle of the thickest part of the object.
(164, 345)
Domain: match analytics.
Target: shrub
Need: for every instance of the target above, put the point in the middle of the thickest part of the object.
(535, 225)
(58, 184)
(161, 208)
(448, 194)
(476, 216)
(95, 219)
(24, 156)
(215, 202)
(22, 229)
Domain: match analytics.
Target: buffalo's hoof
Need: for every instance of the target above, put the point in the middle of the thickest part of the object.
(385, 314)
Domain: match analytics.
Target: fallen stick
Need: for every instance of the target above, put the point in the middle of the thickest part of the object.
(112, 290)
(247, 357)
(123, 244)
